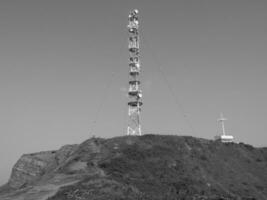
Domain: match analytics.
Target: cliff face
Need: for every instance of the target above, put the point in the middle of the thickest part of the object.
(31, 167)
(149, 167)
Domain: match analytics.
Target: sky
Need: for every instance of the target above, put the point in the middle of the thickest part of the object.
(64, 71)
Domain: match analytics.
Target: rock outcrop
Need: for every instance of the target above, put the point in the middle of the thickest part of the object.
(31, 167)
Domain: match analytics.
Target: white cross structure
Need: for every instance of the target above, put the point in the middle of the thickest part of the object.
(222, 120)
(223, 137)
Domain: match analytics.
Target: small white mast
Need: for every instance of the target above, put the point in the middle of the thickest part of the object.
(221, 120)
(224, 138)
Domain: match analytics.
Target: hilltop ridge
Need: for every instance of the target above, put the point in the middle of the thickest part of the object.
(141, 167)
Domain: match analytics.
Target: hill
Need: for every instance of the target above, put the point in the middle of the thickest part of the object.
(149, 167)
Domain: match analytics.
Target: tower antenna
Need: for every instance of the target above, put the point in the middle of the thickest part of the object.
(134, 92)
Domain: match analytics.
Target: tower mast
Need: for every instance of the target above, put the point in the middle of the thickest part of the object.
(134, 92)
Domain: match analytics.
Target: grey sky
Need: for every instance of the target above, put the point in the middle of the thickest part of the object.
(58, 56)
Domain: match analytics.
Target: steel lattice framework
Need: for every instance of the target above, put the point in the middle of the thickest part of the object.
(135, 93)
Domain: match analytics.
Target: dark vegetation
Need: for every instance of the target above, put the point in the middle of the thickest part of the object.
(155, 167)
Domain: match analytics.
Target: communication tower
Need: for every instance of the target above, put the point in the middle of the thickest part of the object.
(134, 92)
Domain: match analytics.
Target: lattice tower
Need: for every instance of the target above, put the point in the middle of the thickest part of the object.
(134, 92)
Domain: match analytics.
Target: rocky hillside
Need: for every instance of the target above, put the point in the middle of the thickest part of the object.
(149, 167)
(31, 167)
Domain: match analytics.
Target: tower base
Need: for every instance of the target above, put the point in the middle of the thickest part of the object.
(131, 131)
